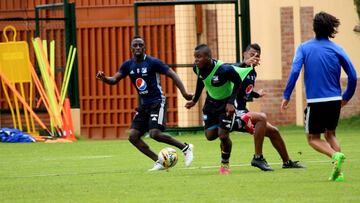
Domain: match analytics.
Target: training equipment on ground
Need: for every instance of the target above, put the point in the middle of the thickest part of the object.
(168, 157)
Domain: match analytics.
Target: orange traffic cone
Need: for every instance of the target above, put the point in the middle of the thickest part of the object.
(69, 127)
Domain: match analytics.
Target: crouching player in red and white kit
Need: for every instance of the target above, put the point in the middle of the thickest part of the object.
(262, 127)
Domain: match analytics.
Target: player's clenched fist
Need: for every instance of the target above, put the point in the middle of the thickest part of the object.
(100, 75)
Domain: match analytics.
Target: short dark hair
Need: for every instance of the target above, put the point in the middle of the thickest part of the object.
(325, 25)
(203, 47)
(255, 46)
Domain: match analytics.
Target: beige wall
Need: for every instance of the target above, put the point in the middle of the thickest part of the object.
(75, 114)
(226, 39)
(265, 30)
(185, 39)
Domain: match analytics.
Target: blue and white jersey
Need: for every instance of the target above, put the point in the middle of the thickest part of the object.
(322, 60)
(145, 76)
(246, 93)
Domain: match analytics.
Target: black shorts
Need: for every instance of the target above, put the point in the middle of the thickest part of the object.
(152, 116)
(321, 116)
(240, 113)
(214, 115)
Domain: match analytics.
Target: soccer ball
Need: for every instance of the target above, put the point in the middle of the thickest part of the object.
(168, 157)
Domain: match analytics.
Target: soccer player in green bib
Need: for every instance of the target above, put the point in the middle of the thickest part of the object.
(222, 82)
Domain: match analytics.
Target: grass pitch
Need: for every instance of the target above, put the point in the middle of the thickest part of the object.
(114, 171)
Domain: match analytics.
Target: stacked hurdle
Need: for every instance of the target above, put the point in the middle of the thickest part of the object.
(14, 59)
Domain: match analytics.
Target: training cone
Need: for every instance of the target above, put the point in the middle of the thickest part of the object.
(68, 127)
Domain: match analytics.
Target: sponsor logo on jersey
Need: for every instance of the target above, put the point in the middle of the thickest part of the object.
(131, 72)
(249, 89)
(141, 84)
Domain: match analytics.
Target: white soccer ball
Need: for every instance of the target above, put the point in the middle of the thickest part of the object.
(168, 157)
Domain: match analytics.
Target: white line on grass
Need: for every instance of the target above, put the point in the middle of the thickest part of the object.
(239, 165)
(127, 172)
(68, 158)
(79, 157)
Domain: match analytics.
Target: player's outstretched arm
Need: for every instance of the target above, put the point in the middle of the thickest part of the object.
(179, 84)
(198, 90)
(100, 75)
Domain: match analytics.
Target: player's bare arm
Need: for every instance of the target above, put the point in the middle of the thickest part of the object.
(198, 91)
(100, 75)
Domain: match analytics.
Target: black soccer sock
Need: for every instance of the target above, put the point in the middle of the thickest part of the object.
(186, 147)
(225, 156)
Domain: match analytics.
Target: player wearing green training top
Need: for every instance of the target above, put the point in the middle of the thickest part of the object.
(222, 82)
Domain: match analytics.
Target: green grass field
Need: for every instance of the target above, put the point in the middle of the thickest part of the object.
(114, 171)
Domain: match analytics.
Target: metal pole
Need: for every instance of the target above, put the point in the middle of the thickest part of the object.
(37, 23)
(136, 19)
(237, 33)
(74, 77)
(245, 24)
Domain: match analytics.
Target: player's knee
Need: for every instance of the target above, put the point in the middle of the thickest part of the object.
(311, 140)
(211, 134)
(272, 131)
(155, 134)
(133, 138)
(258, 117)
(223, 137)
(210, 137)
(262, 116)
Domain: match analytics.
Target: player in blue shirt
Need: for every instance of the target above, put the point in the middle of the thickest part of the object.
(322, 60)
(144, 72)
